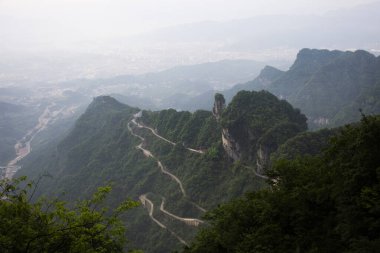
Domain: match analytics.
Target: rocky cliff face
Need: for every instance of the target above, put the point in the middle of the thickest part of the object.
(262, 159)
(255, 123)
(230, 145)
(219, 106)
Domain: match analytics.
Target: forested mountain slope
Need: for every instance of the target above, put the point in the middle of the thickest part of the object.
(178, 164)
(330, 87)
(323, 203)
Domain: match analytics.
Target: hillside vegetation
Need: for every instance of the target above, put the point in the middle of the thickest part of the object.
(54, 226)
(173, 162)
(180, 165)
(330, 87)
(327, 203)
(260, 120)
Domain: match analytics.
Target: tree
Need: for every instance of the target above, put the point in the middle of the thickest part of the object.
(51, 226)
(323, 203)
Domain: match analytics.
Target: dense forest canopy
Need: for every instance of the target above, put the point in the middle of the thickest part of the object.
(180, 164)
(53, 226)
(322, 203)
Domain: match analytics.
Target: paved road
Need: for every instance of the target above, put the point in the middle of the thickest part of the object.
(134, 121)
(188, 221)
(149, 154)
(164, 171)
(150, 206)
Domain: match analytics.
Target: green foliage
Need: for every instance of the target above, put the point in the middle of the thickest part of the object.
(51, 226)
(212, 153)
(279, 134)
(331, 85)
(306, 143)
(327, 203)
(325, 85)
(219, 98)
(100, 149)
(260, 118)
(261, 109)
(197, 130)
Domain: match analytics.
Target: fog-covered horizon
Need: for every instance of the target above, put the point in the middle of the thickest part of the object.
(41, 22)
(52, 40)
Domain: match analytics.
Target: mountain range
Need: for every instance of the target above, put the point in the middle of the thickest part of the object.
(181, 164)
(160, 90)
(330, 87)
(178, 164)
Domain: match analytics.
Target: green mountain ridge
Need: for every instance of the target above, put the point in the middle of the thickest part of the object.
(179, 164)
(165, 155)
(316, 203)
(330, 87)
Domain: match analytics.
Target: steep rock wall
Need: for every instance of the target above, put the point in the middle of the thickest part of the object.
(262, 159)
(230, 145)
(219, 106)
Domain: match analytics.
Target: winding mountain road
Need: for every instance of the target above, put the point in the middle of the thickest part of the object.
(149, 204)
(188, 221)
(134, 121)
(149, 154)
(130, 130)
(258, 174)
(152, 130)
(164, 171)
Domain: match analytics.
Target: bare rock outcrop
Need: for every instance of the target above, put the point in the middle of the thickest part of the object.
(219, 106)
(262, 159)
(230, 145)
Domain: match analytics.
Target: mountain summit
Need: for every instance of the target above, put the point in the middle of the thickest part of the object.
(330, 87)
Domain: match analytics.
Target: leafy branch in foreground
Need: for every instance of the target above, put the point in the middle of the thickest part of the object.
(51, 226)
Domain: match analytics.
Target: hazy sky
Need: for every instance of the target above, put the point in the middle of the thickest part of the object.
(88, 19)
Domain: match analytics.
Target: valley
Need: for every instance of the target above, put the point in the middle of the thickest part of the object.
(23, 147)
(182, 165)
(150, 151)
(189, 126)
